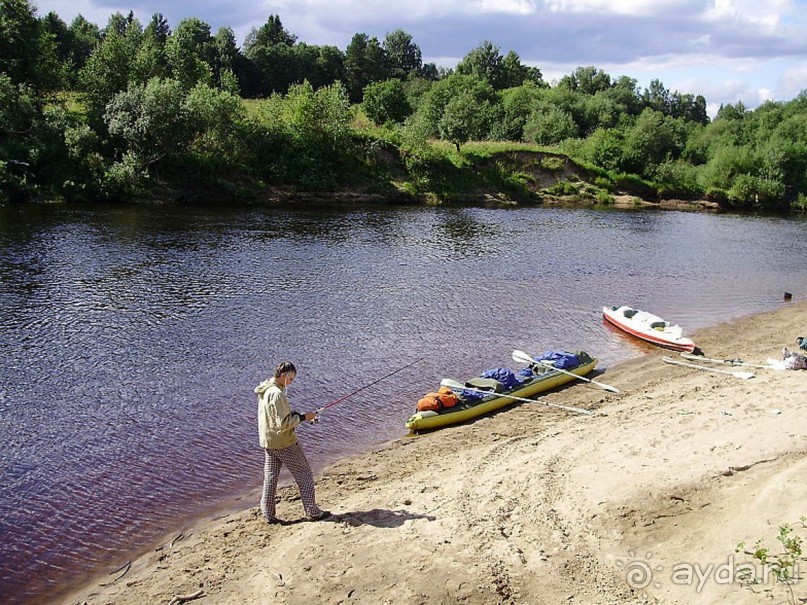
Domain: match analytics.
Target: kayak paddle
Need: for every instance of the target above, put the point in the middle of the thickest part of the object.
(742, 375)
(457, 386)
(522, 357)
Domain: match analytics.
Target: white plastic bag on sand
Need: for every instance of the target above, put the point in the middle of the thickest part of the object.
(790, 361)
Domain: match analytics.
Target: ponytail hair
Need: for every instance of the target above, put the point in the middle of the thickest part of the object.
(284, 367)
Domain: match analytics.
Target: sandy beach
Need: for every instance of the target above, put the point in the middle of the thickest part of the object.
(643, 502)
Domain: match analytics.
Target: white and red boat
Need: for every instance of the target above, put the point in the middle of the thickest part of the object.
(649, 327)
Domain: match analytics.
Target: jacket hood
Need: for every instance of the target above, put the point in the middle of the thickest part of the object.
(264, 386)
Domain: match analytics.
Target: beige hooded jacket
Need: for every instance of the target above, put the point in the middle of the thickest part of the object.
(276, 421)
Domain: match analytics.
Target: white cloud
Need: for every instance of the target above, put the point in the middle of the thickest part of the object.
(618, 7)
(769, 14)
(792, 82)
(512, 7)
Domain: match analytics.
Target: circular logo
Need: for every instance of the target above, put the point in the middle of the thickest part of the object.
(638, 574)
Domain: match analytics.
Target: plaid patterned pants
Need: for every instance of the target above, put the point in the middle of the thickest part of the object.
(294, 458)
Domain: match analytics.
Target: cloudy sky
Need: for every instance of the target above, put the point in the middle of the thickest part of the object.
(726, 50)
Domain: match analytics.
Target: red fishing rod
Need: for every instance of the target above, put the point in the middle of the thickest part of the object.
(367, 386)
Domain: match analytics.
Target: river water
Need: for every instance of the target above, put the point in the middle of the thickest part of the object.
(131, 339)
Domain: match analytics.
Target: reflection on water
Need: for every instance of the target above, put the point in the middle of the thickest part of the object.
(131, 339)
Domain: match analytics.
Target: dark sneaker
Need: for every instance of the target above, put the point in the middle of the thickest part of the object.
(323, 514)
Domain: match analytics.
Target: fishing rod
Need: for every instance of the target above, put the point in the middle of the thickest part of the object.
(367, 386)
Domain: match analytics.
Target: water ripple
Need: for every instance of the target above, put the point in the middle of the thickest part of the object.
(132, 339)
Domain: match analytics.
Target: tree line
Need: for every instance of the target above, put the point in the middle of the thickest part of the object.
(104, 114)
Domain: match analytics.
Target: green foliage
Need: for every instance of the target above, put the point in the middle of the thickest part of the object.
(469, 115)
(564, 188)
(403, 55)
(365, 63)
(269, 34)
(549, 125)
(28, 52)
(106, 73)
(316, 125)
(386, 102)
(552, 162)
(151, 120)
(652, 139)
(190, 53)
(460, 108)
(604, 148)
(603, 197)
(587, 80)
(20, 115)
(172, 109)
(677, 178)
(517, 104)
(125, 178)
(485, 62)
(216, 120)
(782, 564)
(73, 47)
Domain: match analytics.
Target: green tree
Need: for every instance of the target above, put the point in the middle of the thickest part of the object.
(549, 125)
(27, 50)
(53, 26)
(216, 120)
(587, 80)
(119, 25)
(415, 88)
(403, 55)
(483, 62)
(429, 71)
(84, 37)
(386, 102)
(329, 66)
(314, 128)
(601, 110)
(486, 63)
(226, 60)
(278, 61)
(150, 59)
(689, 107)
(652, 139)
(517, 105)
(365, 63)
(735, 112)
(270, 33)
(488, 121)
(320, 65)
(604, 148)
(625, 93)
(576, 105)
(470, 115)
(151, 121)
(106, 73)
(20, 112)
(276, 67)
(657, 97)
(725, 165)
(515, 73)
(436, 99)
(191, 53)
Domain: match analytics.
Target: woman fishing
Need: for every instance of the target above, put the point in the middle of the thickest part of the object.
(276, 424)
